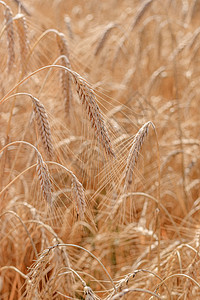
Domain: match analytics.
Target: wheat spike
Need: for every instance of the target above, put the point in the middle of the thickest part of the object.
(65, 76)
(43, 125)
(133, 153)
(44, 177)
(104, 36)
(10, 38)
(78, 196)
(141, 12)
(88, 99)
(23, 38)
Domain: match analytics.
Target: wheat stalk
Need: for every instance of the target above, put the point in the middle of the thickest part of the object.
(43, 125)
(10, 37)
(44, 177)
(133, 153)
(88, 99)
(78, 196)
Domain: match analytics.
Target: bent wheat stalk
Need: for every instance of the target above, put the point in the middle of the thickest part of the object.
(77, 190)
(88, 98)
(42, 170)
(42, 123)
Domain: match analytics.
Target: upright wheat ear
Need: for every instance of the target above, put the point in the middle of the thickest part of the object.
(133, 154)
(78, 196)
(65, 76)
(44, 177)
(23, 38)
(88, 98)
(10, 38)
(43, 125)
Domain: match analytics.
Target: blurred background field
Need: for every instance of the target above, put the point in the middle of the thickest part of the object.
(131, 62)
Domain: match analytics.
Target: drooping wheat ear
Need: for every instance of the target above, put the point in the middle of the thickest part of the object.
(44, 177)
(133, 153)
(65, 76)
(43, 125)
(10, 37)
(141, 12)
(88, 99)
(78, 196)
(104, 36)
(62, 44)
(23, 38)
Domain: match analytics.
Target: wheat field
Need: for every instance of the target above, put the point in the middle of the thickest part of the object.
(99, 149)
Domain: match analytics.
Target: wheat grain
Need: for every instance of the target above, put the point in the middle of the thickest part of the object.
(44, 177)
(78, 196)
(43, 125)
(133, 153)
(10, 37)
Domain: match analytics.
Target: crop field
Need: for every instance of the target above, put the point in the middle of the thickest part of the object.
(100, 149)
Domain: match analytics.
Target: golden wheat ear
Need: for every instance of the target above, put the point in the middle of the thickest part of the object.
(134, 152)
(65, 76)
(44, 177)
(10, 37)
(88, 99)
(43, 126)
(79, 197)
(22, 31)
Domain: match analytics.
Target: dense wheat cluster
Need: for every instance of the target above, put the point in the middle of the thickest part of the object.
(99, 149)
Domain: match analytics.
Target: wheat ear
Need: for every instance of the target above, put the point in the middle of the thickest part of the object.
(10, 37)
(104, 36)
(78, 196)
(65, 76)
(43, 125)
(44, 177)
(88, 99)
(133, 153)
(23, 38)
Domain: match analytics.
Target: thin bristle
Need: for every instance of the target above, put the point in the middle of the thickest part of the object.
(44, 177)
(43, 125)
